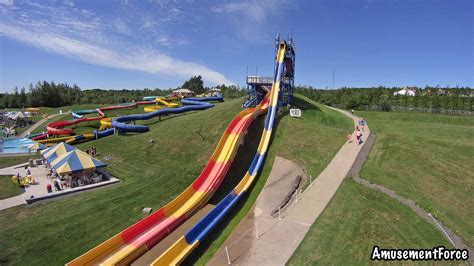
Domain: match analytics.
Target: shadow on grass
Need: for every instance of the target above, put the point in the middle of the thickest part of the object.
(237, 170)
(242, 160)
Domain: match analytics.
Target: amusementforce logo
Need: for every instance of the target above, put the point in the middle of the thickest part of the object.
(437, 253)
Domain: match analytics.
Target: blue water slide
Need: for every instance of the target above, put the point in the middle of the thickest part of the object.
(189, 104)
(200, 230)
(104, 133)
(251, 102)
(81, 113)
(151, 98)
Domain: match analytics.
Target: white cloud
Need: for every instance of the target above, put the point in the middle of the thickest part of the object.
(163, 40)
(68, 2)
(82, 34)
(251, 9)
(145, 60)
(250, 17)
(6, 2)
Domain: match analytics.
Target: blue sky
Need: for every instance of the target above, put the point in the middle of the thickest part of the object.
(130, 44)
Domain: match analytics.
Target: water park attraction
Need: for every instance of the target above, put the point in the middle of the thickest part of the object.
(133, 242)
(153, 106)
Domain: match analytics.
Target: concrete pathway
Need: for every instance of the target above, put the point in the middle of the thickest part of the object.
(39, 172)
(269, 240)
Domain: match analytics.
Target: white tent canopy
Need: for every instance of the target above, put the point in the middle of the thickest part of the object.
(183, 91)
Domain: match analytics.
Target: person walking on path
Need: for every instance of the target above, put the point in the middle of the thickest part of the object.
(361, 123)
(359, 136)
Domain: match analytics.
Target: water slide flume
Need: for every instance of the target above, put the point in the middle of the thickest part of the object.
(59, 127)
(189, 104)
(128, 245)
(107, 125)
(189, 241)
(161, 102)
(199, 103)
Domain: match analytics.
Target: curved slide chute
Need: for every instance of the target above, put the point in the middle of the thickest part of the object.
(189, 241)
(134, 241)
(160, 102)
(250, 102)
(58, 128)
(106, 126)
(190, 104)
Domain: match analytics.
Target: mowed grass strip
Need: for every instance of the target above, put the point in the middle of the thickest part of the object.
(429, 159)
(311, 141)
(356, 219)
(8, 188)
(55, 232)
(7, 161)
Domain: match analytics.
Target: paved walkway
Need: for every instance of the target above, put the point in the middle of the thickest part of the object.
(279, 238)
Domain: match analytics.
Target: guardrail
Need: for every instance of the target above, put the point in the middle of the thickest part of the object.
(264, 80)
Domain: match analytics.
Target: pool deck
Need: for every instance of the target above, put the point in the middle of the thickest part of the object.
(38, 190)
(39, 172)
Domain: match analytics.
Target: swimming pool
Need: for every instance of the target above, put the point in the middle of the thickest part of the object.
(15, 145)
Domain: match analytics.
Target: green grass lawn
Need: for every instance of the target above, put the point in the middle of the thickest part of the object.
(356, 219)
(429, 159)
(55, 232)
(8, 188)
(14, 160)
(423, 157)
(312, 141)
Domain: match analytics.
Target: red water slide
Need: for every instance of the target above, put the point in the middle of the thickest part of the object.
(59, 127)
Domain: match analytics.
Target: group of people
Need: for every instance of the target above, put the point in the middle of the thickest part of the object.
(92, 151)
(58, 185)
(360, 127)
(26, 180)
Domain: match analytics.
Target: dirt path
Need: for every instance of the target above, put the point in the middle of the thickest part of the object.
(272, 240)
(355, 173)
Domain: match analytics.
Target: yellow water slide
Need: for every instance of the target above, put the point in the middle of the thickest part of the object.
(128, 245)
(189, 241)
(160, 103)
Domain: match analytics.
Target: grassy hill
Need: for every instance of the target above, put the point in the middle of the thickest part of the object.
(311, 141)
(424, 157)
(87, 127)
(53, 233)
(154, 173)
(429, 159)
(356, 219)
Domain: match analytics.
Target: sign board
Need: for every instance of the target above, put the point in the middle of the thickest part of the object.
(295, 112)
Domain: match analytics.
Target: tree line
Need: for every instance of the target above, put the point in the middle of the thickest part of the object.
(51, 94)
(429, 97)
